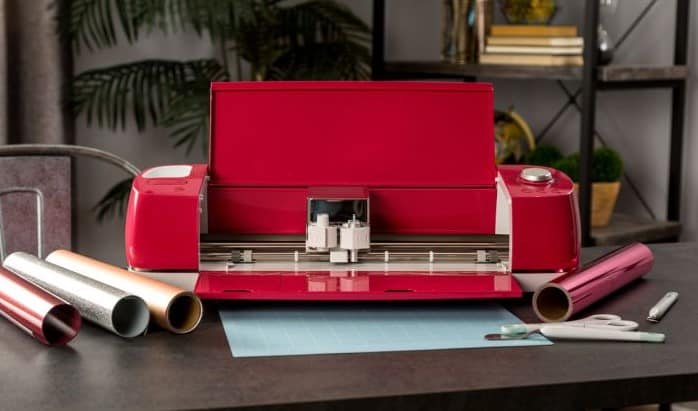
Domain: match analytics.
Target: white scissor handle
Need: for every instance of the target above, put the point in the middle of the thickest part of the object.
(608, 321)
(577, 333)
(599, 321)
(624, 325)
(602, 317)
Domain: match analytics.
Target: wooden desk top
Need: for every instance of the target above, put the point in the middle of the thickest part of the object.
(164, 371)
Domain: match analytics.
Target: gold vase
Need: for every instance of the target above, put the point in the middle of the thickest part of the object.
(603, 201)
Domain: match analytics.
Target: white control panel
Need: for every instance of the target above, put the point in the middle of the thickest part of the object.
(168, 172)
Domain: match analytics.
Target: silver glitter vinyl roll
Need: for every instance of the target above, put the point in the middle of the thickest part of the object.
(115, 310)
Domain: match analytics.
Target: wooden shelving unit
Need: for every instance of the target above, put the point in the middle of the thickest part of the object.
(428, 69)
(605, 74)
(626, 229)
(593, 77)
(619, 73)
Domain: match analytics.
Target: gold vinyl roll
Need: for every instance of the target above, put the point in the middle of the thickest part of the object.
(172, 308)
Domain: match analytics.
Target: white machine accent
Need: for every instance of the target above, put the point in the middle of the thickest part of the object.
(343, 242)
(321, 236)
(184, 280)
(168, 172)
(529, 282)
(502, 222)
(339, 256)
(354, 236)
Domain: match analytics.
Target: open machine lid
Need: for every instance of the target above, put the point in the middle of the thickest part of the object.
(370, 134)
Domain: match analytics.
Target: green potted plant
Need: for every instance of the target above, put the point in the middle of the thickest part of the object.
(606, 171)
(543, 155)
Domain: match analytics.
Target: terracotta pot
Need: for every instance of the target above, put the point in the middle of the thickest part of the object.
(603, 201)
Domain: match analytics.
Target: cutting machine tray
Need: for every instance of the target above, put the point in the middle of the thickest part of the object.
(345, 284)
(390, 270)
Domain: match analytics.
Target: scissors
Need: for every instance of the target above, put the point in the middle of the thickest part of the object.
(602, 321)
(607, 327)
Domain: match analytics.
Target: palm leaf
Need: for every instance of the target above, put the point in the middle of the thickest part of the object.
(328, 61)
(322, 21)
(114, 201)
(87, 22)
(97, 23)
(143, 89)
(256, 39)
(217, 17)
(322, 40)
(188, 113)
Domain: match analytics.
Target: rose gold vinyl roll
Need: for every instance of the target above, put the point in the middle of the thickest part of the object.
(172, 308)
(565, 296)
(36, 311)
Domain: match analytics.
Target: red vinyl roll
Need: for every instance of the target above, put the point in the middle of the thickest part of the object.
(36, 311)
(565, 296)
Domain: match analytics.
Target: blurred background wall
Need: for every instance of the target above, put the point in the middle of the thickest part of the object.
(636, 123)
(30, 89)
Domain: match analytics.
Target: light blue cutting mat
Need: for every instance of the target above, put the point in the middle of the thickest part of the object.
(269, 330)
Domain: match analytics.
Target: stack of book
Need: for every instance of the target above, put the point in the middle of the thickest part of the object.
(529, 45)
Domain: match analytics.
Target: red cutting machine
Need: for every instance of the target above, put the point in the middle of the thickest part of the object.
(353, 191)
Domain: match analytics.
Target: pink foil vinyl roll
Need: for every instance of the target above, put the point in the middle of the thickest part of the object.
(36, 311)
(570, 293)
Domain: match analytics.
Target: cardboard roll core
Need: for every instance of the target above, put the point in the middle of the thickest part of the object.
(551, 303)
(184, 313)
